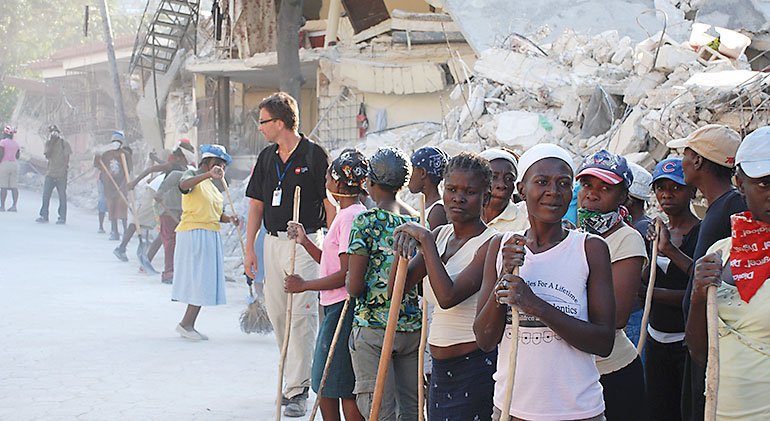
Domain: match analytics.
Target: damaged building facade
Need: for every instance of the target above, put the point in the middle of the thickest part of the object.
(626, 75)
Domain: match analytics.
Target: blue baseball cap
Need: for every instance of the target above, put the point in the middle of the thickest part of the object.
(608, 167)
(670, 168)
(215, 151)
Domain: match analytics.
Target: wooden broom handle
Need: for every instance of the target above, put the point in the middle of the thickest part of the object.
(712, 366)
(423, 334)
(328, 364)
(390, 332)
(650, 288)
(289, 304)
(508, 397)
(122, 196)
(237, 226)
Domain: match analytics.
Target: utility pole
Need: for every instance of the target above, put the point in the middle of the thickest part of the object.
(290, 73)
(120, 115)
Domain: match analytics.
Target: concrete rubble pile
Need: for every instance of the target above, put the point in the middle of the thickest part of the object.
(604, 91)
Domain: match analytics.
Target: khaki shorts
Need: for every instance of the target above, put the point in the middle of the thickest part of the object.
(9, 174)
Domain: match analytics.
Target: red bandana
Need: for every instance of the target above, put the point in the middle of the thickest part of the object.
(749, 257)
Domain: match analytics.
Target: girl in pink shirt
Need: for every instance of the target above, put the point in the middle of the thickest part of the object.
(344, 181)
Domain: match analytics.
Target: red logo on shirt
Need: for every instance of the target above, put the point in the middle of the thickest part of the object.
(297, 170)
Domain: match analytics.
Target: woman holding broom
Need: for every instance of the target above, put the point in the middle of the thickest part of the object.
(199, 277)
(739, 268)
(344, 181)
(452, 258)
(564, 294)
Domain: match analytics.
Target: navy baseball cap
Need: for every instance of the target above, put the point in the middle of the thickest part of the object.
(670, 168)
(608, 167)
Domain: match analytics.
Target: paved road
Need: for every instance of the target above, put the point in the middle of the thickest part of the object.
(84, 336)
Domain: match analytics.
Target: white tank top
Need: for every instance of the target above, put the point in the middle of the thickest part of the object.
(554, 380)
(454, 325)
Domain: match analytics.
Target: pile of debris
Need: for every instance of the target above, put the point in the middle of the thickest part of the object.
(586, 93)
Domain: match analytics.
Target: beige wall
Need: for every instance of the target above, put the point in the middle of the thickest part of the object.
(404, 109)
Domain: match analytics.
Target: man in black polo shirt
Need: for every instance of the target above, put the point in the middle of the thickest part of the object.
(291, 160)
(707, 163)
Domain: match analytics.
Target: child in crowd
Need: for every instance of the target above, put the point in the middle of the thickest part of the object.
(665, 350)
(370, 258)
(452, 258)
(344, 181)
(738, 266)
(604, 182)
(428, 165)
(564, 294)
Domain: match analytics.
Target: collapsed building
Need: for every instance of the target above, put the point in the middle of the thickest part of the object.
(625, 75)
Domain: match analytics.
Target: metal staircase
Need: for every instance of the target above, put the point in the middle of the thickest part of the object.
(174, 24)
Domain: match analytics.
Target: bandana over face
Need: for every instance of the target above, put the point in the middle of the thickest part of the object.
(749, 257)
(598, 223)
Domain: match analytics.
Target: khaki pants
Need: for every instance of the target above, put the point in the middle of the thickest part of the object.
(304, 313)
(399, 402)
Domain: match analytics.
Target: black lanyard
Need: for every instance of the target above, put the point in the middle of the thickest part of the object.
(280, 174)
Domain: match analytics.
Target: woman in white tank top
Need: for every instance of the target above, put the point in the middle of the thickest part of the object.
(564, 296)
(452, 257)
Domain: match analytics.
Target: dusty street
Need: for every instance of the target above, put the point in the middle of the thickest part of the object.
(85, 336)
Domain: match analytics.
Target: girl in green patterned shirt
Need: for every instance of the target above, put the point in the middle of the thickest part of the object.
(371, 255)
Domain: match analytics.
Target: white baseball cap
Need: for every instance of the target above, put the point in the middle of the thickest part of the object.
(640, 188)
(753, 154)
(497, 153)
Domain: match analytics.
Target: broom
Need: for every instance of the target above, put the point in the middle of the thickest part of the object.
(650, 289)
(423, 335)
(254, 319)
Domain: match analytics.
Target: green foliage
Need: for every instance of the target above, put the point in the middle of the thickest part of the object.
(31, 30)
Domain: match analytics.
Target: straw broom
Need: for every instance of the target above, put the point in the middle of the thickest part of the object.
(650, 288)
(289, 303)
(254, 318)
(712, 366)
(390, 332)
(423, 335)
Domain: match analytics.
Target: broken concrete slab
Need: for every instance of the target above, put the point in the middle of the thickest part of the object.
(521, 71)
(485, 30)
(631, 136)
(737, 14)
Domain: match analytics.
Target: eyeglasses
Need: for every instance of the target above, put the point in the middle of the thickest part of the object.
(261, 122)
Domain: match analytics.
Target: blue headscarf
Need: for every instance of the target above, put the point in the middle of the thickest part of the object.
(433, 160)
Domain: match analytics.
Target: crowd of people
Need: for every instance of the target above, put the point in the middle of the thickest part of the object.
(581, 239)
(566, 248)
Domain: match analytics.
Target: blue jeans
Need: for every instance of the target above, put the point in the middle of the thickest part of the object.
(61, 187)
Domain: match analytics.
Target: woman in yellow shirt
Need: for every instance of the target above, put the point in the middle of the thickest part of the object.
(199, 277)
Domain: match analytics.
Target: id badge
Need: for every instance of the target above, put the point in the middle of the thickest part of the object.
(277, 197)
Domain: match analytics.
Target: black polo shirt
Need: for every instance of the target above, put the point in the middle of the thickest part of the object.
(307, 168)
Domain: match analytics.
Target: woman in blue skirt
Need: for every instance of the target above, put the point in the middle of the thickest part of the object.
(199, 277)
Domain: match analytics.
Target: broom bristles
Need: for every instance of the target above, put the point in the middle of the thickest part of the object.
(255, 320)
